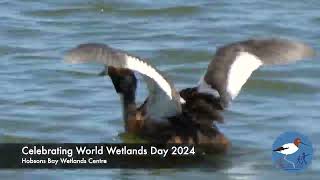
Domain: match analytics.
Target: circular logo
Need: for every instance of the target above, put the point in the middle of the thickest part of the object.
(292, 152)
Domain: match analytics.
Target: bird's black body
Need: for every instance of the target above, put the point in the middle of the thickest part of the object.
(195, 124)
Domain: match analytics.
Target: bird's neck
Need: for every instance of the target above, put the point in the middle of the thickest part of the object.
(129, 108)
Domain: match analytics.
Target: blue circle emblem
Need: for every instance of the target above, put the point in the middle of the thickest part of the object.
(292, 152)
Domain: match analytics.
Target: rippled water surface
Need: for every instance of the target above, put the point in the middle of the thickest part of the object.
(44, 100)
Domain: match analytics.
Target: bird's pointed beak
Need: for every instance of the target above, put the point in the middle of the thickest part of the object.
(305, 144)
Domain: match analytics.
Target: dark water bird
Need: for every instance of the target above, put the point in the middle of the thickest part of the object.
(188, 116)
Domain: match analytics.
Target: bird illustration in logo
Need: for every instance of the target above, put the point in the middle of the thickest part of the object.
(290, 148)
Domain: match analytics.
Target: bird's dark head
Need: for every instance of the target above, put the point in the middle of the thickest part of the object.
(298, 141)
(123, 80)
(203, 106)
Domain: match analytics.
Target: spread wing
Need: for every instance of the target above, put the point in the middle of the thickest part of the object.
(233, 64)
(163, 98)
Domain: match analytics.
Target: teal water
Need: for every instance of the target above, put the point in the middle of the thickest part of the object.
(44, 100)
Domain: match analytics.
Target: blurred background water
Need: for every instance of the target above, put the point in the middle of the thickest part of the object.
(44, 100)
